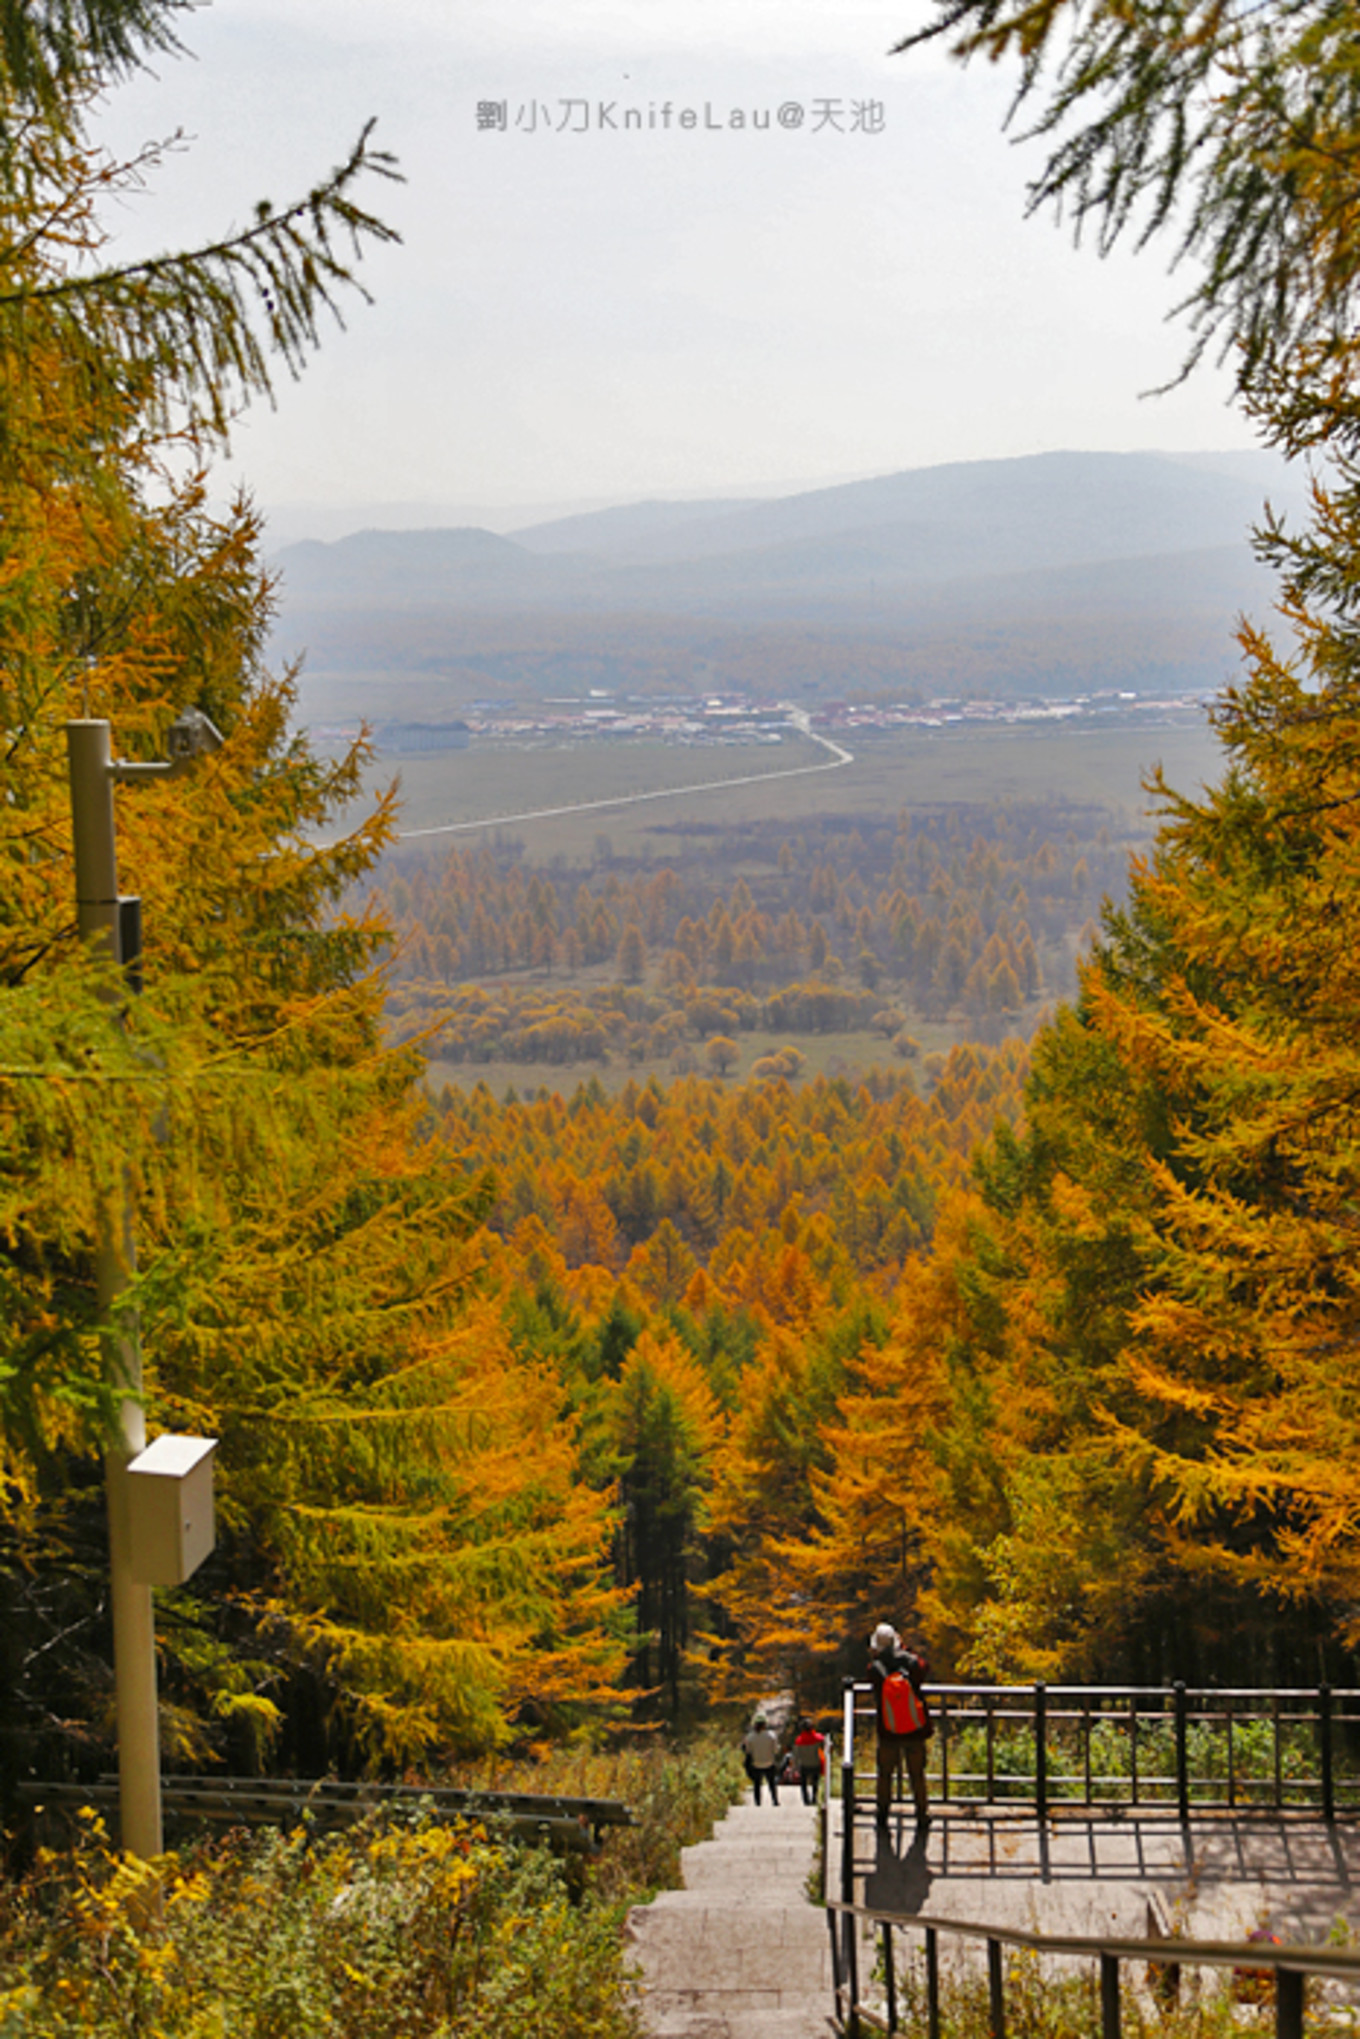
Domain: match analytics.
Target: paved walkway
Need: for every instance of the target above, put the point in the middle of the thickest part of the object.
(739, 1953)
(1090, 1874)
(1086, 1873)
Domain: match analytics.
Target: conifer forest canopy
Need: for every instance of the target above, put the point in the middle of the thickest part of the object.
(541, 1414)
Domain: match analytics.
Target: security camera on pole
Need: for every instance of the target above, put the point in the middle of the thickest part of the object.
(159, 1500)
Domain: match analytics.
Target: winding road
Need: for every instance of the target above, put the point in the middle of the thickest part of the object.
(798, 717)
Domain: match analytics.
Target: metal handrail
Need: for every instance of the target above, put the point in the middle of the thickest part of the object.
(268, 1801)
(1145, 1691)
(1057, 1715)
(1292, 1965)
(1181, 1704)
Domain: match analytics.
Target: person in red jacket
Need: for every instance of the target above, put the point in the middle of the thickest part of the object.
(888, 1661)
(807, 1754)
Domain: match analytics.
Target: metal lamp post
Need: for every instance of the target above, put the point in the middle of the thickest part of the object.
(114, 922)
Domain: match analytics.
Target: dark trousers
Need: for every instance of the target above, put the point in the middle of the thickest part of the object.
(768, 1776)
(893, 1752)
(808, 1781)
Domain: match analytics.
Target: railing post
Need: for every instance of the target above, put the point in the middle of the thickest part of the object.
(1041, 1751)
(847, 1845)
(932, 1983)
(889, 1977)
(848, 1762)
(848, 1794)
(942, 1719)
(1133, 1749)
(1288, 2003)
(1109, 1996)
(996, 2002)
(1325, 1752)
(850, 1948)
(1182, 1752)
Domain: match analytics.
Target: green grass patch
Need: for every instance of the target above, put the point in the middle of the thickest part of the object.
(494, 786)
(904, 769)
(675, 1796)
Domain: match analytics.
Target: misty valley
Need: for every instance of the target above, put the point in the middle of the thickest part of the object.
(703, 1143)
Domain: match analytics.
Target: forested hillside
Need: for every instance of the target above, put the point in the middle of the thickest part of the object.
(713, 1271)
(545, 1414)
(406, 1558)
(661, 1183)
(964, 917)
(1105, 1424)
(1143, 1442)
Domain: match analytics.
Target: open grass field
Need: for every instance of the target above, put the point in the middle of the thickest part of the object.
(903, 769)
(848, 1054)
(450, 789)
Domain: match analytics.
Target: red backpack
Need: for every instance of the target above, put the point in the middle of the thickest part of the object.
(903, 1708)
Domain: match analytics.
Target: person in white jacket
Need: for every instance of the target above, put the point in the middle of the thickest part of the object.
(762, 1758)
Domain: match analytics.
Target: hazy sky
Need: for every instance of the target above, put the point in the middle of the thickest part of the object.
(585, 316)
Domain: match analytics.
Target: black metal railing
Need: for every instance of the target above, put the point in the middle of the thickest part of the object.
(1290, 1967)
(1188, 1747)
(1033, 1749)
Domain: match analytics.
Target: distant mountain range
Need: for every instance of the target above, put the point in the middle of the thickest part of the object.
(1155, 545)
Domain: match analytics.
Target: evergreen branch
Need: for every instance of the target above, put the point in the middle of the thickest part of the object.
(47, 47)
(69, 206)
(271, 227)
(1237, 120)
(193, 318)
(18, 1071)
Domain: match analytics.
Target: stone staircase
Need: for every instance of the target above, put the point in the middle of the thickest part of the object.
(739, 1953)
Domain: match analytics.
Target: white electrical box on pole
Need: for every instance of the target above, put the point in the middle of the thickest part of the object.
(106, 920)
(170, 1494)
